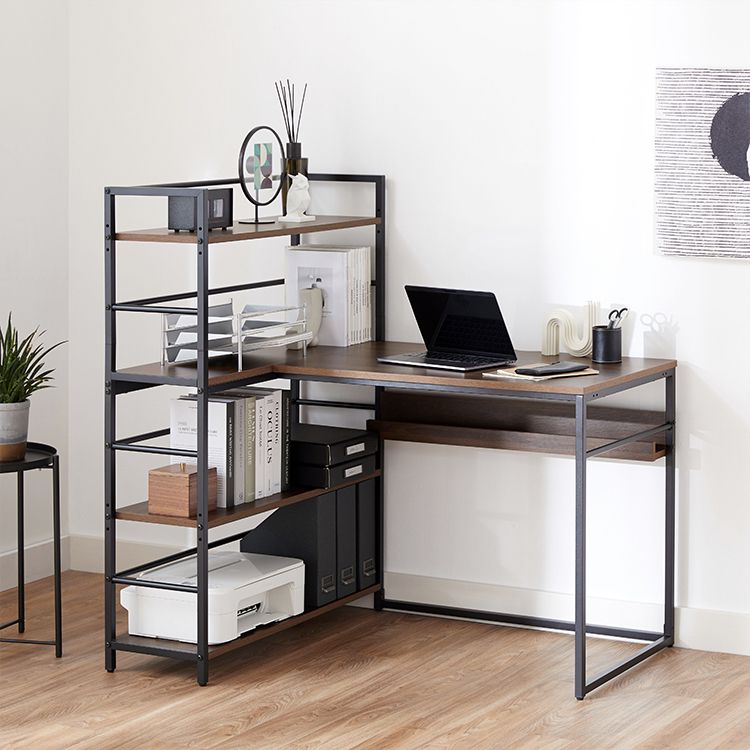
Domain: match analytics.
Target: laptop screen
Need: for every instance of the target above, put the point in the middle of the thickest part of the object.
(454, 320)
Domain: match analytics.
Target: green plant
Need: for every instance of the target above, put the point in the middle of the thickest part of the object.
(22, 365)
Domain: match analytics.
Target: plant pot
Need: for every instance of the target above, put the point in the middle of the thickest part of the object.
(14, 428)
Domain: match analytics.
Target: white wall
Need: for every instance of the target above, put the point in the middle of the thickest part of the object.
(517, 139)
(34, 247)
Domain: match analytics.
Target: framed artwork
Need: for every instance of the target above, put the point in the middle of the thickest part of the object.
(702, 174)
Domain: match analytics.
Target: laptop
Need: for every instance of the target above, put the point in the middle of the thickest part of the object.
(462, 331)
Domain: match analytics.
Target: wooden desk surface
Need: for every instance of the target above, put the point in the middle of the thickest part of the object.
(359, 363)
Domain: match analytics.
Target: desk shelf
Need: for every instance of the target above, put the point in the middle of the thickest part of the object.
(220, 516)
(512, 424)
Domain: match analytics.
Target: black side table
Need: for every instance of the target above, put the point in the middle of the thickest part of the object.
(38, 456)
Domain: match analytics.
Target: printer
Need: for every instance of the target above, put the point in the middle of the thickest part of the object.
(244, 591)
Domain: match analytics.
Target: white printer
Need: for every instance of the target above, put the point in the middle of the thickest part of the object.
(244, 591)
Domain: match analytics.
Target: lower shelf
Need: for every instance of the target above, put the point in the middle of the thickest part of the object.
(187, 651)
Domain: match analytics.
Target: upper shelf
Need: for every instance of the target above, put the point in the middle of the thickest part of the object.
(240, 232)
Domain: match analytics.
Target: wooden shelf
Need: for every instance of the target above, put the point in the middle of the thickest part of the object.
(239, 232)
(221, 516)
(139, 644)
(513, 424)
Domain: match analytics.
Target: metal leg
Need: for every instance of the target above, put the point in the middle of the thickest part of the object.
(57, 562)
(580, 586)
(201, 205)
(21, 567)
(379, 596)
(110, 415)
(669, 511)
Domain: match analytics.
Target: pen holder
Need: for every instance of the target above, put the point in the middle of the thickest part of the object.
(606, 344)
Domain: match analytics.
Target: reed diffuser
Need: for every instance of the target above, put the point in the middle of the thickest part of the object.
(294, 162)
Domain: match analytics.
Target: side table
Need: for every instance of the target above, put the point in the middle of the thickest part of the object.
(38, 456)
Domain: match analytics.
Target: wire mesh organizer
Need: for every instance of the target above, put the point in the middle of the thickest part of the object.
(235, 334)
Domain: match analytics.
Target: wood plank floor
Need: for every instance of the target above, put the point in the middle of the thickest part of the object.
(358, 679)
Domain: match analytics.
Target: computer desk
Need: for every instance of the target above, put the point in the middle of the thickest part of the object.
(553, 416)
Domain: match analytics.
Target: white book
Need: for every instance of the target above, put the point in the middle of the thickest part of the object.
(240, 438)
(309, 265)
(260, 463)
(183, 434)
(367, 292)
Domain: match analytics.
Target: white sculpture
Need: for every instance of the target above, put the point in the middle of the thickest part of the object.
(578, 346)
(297, 200)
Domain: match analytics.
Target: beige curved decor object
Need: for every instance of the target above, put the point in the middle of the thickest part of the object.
(579, 345)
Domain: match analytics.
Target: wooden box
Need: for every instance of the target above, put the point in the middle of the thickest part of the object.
(173, 490)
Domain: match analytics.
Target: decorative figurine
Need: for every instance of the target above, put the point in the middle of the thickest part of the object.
(297, 200)
(563, 321)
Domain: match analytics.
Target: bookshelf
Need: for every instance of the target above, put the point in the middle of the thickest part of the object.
(206, 378)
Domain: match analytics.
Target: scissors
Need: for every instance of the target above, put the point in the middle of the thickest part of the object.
(656, 322)
(616, 317)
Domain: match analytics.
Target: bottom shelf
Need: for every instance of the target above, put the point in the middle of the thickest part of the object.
(187, 651)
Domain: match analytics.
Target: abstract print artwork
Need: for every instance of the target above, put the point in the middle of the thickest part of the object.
(262, 164)
(702, 179)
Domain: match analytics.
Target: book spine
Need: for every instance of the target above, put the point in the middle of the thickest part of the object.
(249, 449)
(240, 452)
(286, 436)
(260, 463)
(351, 292)
(268, 412)
(230, 427)
(276, 444)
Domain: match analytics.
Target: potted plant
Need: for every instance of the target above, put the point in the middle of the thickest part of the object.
(21, 374)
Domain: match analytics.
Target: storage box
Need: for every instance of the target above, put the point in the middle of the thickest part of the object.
(244, 591)
(307, 475)
(181, 211)
(173, 490)
(325, 445)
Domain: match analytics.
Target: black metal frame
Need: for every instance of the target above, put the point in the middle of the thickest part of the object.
(657, 641)
(117, 383)
(50, 460)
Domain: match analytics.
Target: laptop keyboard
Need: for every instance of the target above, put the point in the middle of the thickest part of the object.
(460, 359)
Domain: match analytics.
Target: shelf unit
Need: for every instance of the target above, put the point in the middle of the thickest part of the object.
(207, 378)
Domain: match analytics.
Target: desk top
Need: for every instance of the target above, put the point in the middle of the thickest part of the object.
(359, 364)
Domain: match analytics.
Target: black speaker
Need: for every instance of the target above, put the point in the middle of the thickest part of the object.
(181, 212)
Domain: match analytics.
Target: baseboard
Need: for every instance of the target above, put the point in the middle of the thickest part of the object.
(38, 563)
(702, 629)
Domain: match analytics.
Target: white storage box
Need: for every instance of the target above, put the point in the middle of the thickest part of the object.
(244, 591)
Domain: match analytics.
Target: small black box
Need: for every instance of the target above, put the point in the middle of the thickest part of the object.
(324, 445)
(181, 212)
(308, 475)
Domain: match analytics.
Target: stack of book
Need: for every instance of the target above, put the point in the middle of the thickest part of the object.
(248, 441)
(343, 274)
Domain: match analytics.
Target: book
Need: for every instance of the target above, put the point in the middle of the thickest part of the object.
(183, 434)
(343, 275)
(509, 373)
(247, 453)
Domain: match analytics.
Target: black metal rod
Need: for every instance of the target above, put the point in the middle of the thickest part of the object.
(144, 436)
(145, 648)
(165, 191)
(155, 449)
(623, 666)
(335, 404)
(57, 555)
(148, 381)
(201, 522)
(193, 295)
(669, 510)
(380, 259)
(580, 572)
(28, 641)
(126, 307)
(635, 437)
(179, 555)
(8, 624)
(110, 427)
(146, 584)
(320, 177)
(626, 385)
(505, 618)
(21, 557)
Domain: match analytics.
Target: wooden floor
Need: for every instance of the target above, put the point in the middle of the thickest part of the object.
(358, 679)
